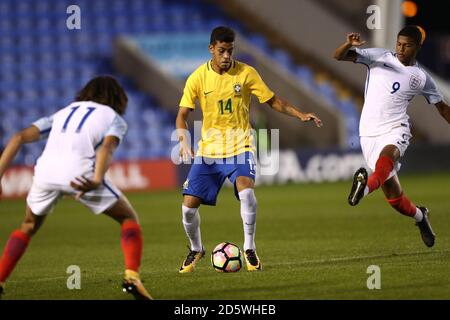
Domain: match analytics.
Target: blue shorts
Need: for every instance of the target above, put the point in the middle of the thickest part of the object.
(207, 175)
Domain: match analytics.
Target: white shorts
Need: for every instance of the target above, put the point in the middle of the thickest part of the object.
(372, 146)
(42, 197)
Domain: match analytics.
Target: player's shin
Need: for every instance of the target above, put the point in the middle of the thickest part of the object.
(248, 214)
(383, 168)
(191, 223)
(406, 207)
(131, 241)
(14, 249)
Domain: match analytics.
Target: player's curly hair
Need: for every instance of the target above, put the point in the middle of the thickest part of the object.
(105, 90)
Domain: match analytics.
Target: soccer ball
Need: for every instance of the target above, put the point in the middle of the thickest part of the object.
(226, 257)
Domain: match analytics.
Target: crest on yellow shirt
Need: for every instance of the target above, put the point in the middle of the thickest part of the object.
(237, 89)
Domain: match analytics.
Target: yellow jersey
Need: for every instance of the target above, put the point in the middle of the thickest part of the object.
(225, 103)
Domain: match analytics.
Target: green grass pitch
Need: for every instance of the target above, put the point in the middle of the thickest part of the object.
(312, 244)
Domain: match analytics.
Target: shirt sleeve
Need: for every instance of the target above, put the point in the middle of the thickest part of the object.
(430, 90)
(44, 125)
(190, 92)
(118, 128)
(369, 55)
(258, 87)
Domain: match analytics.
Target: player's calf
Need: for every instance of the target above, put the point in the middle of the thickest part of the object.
(13, 251)
(421, 214)
(383, 168)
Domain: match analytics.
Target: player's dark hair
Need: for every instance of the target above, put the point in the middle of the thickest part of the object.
(105, 90)
(412, 32)
(222, 34)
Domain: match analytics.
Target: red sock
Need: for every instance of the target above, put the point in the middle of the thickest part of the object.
(131, 240)
(383, 168)
(403, 205)
(14, 249)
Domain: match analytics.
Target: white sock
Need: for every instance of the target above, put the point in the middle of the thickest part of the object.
(419, 215)
(191, 223)
(248, 214)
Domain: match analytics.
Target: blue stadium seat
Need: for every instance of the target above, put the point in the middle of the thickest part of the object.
(7, 43)
(305, 75)
(43, 64)
(42, 8)
(283, 58)
(327, 91)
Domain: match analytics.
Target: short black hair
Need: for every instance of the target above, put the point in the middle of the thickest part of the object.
(412, 32)
(222, 34)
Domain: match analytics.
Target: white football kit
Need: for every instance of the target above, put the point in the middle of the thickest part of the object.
(74, 134)
(390, 86)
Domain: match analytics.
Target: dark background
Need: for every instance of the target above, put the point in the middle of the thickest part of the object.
(433, 17)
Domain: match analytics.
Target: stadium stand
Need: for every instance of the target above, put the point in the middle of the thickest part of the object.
(44, 64)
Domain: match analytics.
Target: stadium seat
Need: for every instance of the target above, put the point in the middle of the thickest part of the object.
(44, 65)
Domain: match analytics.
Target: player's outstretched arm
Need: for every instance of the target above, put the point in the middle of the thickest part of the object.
(343, 53)
(285, 107)
(22, 137)
(102, 162)
(444, 110)
(186, 151)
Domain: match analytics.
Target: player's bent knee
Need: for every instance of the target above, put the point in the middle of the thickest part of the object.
(29, 228)
(191, 201)
(243, 183)
(31, 223)
(122, 211)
